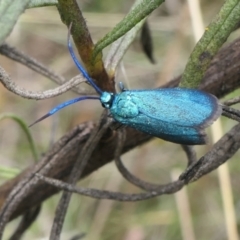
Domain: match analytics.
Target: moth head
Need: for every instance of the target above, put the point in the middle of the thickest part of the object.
(107, 99)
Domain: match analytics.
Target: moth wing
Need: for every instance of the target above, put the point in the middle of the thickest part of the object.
(179, 106)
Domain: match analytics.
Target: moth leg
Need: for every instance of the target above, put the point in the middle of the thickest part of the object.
(116, 126)
(119, 126)
(109, 115)
(121, 86)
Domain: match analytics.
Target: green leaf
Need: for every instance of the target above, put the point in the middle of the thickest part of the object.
(137, 14)
(119, 48)
(8, 172)
(10, 10)
(26, 130)
(42, 3)
(214, 37)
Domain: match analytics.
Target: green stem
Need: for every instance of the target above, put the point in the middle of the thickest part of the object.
(70, 13)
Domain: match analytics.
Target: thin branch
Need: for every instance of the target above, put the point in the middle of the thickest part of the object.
(76, 173)
(223, 150)
(126, 174)
(118, 196)
(231, 113)
(12, 87)
(232, 101)
(28, 218)
(32, 63)
(191, 154)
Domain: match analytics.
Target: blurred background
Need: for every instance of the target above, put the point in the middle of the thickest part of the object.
(197, 212)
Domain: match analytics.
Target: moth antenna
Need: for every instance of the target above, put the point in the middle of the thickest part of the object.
(63, 105)
(78, 64)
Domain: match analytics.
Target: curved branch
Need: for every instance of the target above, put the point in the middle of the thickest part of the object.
(12, 87)
(30, 62)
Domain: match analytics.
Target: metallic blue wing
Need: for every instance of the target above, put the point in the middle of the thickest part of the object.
(175, 114)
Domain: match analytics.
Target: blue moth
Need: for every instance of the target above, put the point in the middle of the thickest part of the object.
(178, 115)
